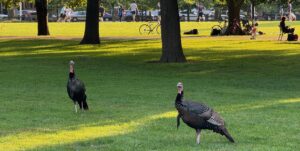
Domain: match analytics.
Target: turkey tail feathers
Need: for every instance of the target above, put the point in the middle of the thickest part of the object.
(83, 104)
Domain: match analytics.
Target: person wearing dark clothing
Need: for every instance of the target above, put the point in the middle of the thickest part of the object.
(200, 8)
(120, 13)
(285, 28)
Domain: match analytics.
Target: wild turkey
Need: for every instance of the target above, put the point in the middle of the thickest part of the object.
(199, 116)
(76, 90)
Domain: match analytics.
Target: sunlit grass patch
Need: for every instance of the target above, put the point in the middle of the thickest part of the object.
(125, 29)
(31, 140)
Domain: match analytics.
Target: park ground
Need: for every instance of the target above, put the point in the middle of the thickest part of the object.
(253, 84)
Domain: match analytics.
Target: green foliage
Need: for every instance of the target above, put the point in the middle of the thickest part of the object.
(69, 3)
(13, 3)
(76, 3)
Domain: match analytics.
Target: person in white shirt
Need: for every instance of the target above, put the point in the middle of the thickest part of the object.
(62, 14)
(159, 12)
(68, 14)
(290, 10)
(133, 9)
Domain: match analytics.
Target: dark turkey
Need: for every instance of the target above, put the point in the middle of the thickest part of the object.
(199, 116)
(76, 90)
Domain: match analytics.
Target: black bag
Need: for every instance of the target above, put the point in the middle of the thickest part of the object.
(191, 32)
(215, 32)
(296, 37)
(292, 37)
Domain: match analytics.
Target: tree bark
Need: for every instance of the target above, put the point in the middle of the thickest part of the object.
(234, 25)
(170, 29)
(253, 11)
(188, 13)
(91, 34)
(42, 17)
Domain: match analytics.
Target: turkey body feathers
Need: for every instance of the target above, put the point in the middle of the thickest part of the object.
(76, 91)
(200, 116)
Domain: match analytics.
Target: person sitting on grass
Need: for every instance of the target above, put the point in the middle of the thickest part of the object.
(284, 28)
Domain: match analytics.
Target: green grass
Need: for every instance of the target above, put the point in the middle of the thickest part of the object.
(124, 29)
(254, 85)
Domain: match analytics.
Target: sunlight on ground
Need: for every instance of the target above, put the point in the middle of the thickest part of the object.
(252, 106)
(32, 140)
(124, 29)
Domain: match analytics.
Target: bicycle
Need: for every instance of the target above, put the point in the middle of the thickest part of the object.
(219, 29)
(149, 28)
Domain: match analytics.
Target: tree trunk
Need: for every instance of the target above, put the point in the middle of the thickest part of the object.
(170, 29)
(188, 13)
(234, 25)
(253, 12)
(91, 34)
(42, 17)
(217, 13)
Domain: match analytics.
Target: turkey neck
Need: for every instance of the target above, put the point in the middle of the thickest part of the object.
(72, 72)
(179, 98)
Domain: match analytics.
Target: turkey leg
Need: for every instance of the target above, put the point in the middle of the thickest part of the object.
(198, 131)
(75, 105)
(82, 106)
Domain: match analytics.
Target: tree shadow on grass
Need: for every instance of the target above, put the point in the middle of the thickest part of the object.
(33, 47)
(119, 83)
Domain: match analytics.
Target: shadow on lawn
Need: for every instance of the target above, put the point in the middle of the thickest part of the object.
(261, 78)
(33, 47)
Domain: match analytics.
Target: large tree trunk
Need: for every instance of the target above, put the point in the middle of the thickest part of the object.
(170, 29)
(234, 25)
(91, 34)
(253, 11)
(42, 17)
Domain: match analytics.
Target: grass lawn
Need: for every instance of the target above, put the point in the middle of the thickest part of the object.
(254, 85)
(124, 29)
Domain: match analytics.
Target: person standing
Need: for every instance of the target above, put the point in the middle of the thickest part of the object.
(159, 13)
(101, 12)
(134, 10)
(200, 8)
(253, 31)
(290, 10)
(120, 12)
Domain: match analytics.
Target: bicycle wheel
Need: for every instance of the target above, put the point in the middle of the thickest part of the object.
(158, 30)
(216, 27)
(145, 29)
